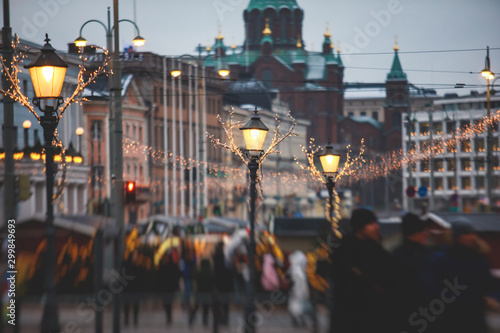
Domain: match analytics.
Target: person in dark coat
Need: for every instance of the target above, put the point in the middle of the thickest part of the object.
(204, 288)
(131, 291)
(413, 259)
(463, 280)
(364, 275)
(223, 283)
(168, 281)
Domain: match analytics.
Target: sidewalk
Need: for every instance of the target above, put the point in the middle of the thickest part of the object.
(152, 319)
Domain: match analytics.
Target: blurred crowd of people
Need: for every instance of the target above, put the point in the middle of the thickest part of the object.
(415, 288)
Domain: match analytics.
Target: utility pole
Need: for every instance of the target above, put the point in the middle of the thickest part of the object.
(118, 211)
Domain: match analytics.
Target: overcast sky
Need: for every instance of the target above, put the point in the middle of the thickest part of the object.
(361, 27)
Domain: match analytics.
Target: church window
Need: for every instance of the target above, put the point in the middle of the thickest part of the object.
(267, 77)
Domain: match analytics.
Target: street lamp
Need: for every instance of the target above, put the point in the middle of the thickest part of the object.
(47, 73)
(26, 126)
(79, 131)
(254, 134)
(488, 75)
(330, 164)
(82, 42)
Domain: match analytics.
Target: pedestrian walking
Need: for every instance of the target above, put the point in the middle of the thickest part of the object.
(168, 277)
(223, 283)
(364, 275)
(204, 287)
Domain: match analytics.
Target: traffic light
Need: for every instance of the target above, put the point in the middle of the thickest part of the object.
(130, 191)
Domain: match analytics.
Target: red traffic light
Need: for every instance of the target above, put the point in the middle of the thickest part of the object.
(130, 191)
(130, 186)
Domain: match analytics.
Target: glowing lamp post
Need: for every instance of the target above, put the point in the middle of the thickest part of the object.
(254, 134)
(79, 131)
(26, 126)
(47, 73)
(488, 75)
(330, 164)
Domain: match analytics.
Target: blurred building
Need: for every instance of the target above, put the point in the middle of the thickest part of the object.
(459, 171)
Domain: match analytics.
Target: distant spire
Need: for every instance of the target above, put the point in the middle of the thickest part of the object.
(396, 72)
(327, 32)
(220, 36)
(339, 59)
(396, 47)
(267, 31)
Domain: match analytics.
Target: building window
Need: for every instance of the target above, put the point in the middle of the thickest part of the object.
(465, 164)
(267, 77)
(450, 127)
(424, 128)
(438, 165)
(450, 163)
(375, 115)
(424, 165)
(424, 182)
(465, 145)
(350, 114)
(466, 183)
(438, 184)
(479, 164)
(480, 183)
(479, 145)
(464, 124)
(451, 183)
(362, 113)
(96, 130)
(437, 128)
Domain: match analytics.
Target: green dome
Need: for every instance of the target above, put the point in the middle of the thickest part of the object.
(276, 4)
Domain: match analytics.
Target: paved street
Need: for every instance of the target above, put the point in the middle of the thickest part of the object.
(152, 320)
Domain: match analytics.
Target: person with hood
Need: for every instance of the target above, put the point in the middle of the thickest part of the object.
(299, 303)
(464, 272)
(413, 259)
(364, 277)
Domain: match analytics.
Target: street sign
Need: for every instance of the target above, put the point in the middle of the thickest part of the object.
(422, 191)
(411, 191)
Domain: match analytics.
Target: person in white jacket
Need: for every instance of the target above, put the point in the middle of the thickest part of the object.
(299, 303)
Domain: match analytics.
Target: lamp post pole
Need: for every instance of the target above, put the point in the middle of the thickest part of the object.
(488, 75)
(117, 188)
(50, 319)
(53, 69)
(253, 166)
(254, 134)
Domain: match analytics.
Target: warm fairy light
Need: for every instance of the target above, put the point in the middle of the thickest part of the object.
(57, 158)
(69, 158)
(35, 156)
(77, 159)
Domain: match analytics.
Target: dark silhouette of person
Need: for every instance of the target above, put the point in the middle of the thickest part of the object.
(463, 281)
(168, 281)
(223, 284)
(364, 275)
(413, 259)
(131, 296)
(204, 288)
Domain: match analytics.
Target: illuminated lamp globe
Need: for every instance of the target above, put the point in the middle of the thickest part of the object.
(79, 131)
(80, 42)
(329, 160)
(254, 134)
(47, 72)
(138, 41)
(26, 124)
